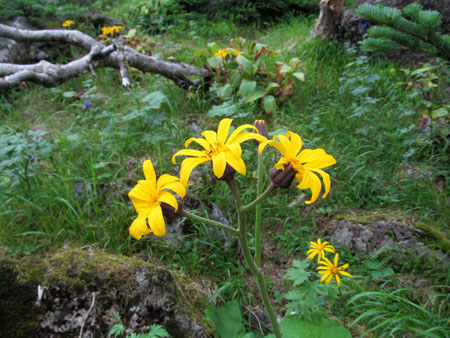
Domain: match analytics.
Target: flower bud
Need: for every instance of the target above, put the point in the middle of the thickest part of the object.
(228, 174)
(282, 178)
(262, 128)
(169, 211)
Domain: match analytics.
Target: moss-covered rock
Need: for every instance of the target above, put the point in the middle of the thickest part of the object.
(73, 280)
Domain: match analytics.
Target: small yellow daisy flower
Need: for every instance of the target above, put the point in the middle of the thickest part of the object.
(319, 249)
(236, 52)
(67, 23)
(222, 53)
(330, 270)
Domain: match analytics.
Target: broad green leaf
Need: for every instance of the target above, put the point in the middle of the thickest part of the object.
(271, 86)
(213, 47)
(157, 331)
(224, 92)
(69, 94)
(235, 79)
(246, 64)
(227, 109)
(253, 96)
(246, 88)
(227, 320)
(214, 62)
(294, 328)
(440, 112)
(269, 104)
(299, 75)
(154, 100)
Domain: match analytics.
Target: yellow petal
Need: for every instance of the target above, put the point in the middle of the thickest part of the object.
(237, 163)
(315, 186)
(141, 192)
(149, 173)
(223, 130)
(219, 164)
(199, 141)
(338, 280)
(188, 165)
(345, 273)
(168, 198)
(336, 259)
(246, 136)
(345, 266)
(139, 227)
(210, 136)
(156, 222)
(326, 181)
(188, 152)
(235, 149)
(329, 279)
(296, 142)
(235, 135)
(286, 143)
(177, 187)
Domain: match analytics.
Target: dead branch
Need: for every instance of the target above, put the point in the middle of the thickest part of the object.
(98, 56)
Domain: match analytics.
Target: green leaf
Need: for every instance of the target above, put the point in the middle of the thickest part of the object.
(69, 94)
(157, 331)
(299, 76)
(271, 86)
(293, 328)
(269, 104)
(117, 330)
(298, 273)
(224, 92)
(440, 112)
(227, 320)
(227, 109)
(246, 64)
(214, 62)
(253, 96)
(154, 100)
(213, 47)
(246, 88)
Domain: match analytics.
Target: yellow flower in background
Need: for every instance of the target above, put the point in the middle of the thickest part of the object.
(392, 70)
(319, 249)
(219, 148)
(329, 270)
(111, 30)
(147, 197)
(306, 163)
(222, 53)
(236, 52)
(67, 23)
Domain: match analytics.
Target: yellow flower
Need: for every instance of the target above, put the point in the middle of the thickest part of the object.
(306, 164)
(330, 270)
(106, 30)
(319, 249)
(147, 197)
(218, 149)
(236, 52)
(116, 29)
(392, 70)
(111, 30)
(222, 53)
(68, 23)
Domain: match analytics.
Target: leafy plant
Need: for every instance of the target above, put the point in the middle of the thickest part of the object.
(254, 75)
(420, 32)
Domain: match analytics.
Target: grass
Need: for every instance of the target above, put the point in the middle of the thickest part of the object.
(69, 186)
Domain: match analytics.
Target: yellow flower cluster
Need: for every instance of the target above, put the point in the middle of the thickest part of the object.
(326, 268)
(223, 53)
(67, 23)
(111, 30)
(223, 150)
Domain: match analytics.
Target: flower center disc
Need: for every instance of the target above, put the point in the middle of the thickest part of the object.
(334, 270)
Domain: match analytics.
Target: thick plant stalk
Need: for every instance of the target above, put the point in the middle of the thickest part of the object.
(250, 262)
(258, 212)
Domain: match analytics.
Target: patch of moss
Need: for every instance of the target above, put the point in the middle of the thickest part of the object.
(365, 217)
(433, 236)
(17, 312)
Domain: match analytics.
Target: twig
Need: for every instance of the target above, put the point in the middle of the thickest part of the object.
(87, 315)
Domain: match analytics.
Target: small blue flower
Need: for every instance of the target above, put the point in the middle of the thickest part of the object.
(87, 105)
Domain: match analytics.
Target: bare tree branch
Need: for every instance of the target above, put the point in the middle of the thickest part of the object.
(51, 75)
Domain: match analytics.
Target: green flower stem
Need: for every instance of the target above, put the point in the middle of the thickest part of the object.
(210, 222)
(260, 198)
(344, 309)
(250, 262)
(258, 211)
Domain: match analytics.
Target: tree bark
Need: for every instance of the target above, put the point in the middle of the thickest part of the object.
(331, 12)
(98, 55)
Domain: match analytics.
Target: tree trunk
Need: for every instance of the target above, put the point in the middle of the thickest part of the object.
(331, 12)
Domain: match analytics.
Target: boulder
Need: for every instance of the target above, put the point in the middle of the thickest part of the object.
(90, 290)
